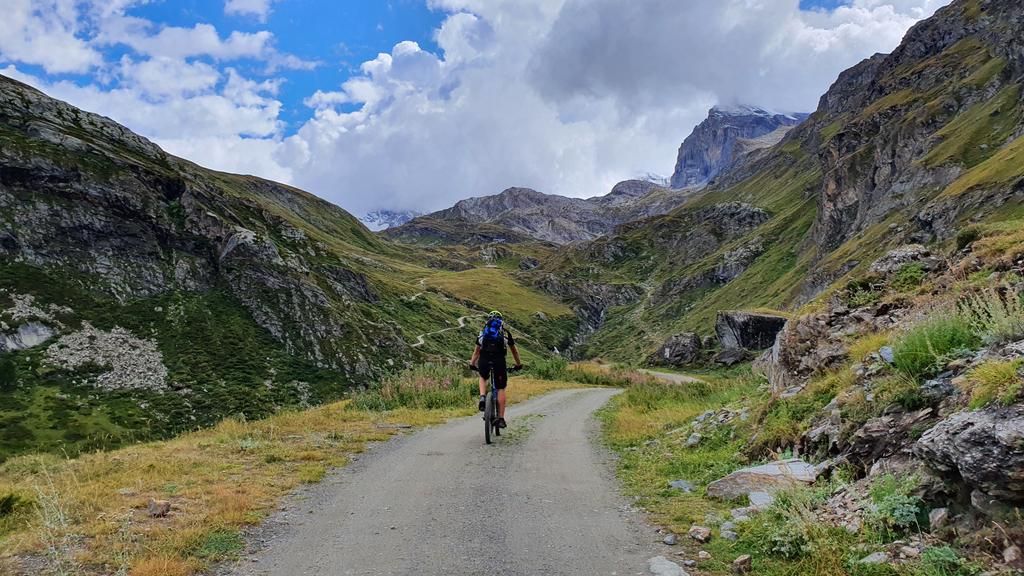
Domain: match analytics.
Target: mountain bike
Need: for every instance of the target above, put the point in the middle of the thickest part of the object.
(491, 405)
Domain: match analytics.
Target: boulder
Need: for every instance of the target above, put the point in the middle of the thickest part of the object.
(767, 478)
(985, 448)
(938, 518)
(679, 350)
(747, 330)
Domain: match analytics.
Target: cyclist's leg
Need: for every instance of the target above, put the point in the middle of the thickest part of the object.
(484, 367)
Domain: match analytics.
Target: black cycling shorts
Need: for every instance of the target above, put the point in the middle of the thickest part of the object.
(500, 371)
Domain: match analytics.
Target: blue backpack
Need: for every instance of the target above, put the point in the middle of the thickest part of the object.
(492, 339)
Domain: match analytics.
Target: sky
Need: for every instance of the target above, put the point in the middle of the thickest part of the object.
(415, 104)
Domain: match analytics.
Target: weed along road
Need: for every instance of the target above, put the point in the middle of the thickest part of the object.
(541, 500)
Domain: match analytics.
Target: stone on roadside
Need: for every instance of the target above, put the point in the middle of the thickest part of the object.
(693, 440)
(661, 566)
(700, 533)
(729, 535)
(158, 508)
(670, 540)
(703, 555)
(742, 565)
(766, 478)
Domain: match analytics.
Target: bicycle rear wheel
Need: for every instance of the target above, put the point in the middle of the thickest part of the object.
(488, 417)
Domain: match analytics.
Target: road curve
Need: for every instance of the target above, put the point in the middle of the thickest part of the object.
(541, 500)
(672, 377)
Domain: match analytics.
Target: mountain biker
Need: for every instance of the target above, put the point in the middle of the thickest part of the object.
(491, 346)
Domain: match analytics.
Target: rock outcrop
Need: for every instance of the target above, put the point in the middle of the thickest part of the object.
(726, 134)
(984, 449)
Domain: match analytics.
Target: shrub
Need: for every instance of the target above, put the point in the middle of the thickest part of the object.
(428, 386)
(8, 373)
(966, 236)
(996, 381)
(893, 508)
(550, 369)
(998, 316)
(926, 347)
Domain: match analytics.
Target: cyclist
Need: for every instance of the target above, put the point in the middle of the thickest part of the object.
(491, 346)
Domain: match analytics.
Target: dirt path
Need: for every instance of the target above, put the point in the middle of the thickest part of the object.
(676, 378)
(421, 339)
(541, 500)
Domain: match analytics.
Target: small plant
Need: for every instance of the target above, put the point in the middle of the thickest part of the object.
(997, 315)
(860, 293)
(909, 277)
(925, 348)
(221, 544)
(996, 381)
(944, 561)
(894, 508)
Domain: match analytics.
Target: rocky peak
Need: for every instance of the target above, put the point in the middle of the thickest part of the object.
(712, 146)
(383, 219)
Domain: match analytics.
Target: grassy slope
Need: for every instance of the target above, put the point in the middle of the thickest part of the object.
(219, 480)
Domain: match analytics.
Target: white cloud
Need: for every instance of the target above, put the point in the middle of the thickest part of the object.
(568, 97)
(45, 33)
(259, 9)
(180, 42)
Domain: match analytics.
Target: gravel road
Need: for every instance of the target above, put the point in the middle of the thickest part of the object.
(542, 500)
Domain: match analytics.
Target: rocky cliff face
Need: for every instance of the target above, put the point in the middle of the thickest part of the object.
(911, 132)
(522, 214)
(726, 135)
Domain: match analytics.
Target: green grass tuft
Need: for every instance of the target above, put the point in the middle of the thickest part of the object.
(925, 348)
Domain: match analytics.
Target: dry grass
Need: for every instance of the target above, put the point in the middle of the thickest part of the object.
(89, 513)
(868, 344)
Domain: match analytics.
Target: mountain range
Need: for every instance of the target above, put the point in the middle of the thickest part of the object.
(227, 294)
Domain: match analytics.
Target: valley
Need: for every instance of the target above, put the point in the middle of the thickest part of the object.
(834, 297)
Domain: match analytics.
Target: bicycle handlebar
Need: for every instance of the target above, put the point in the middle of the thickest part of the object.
(510, 370)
